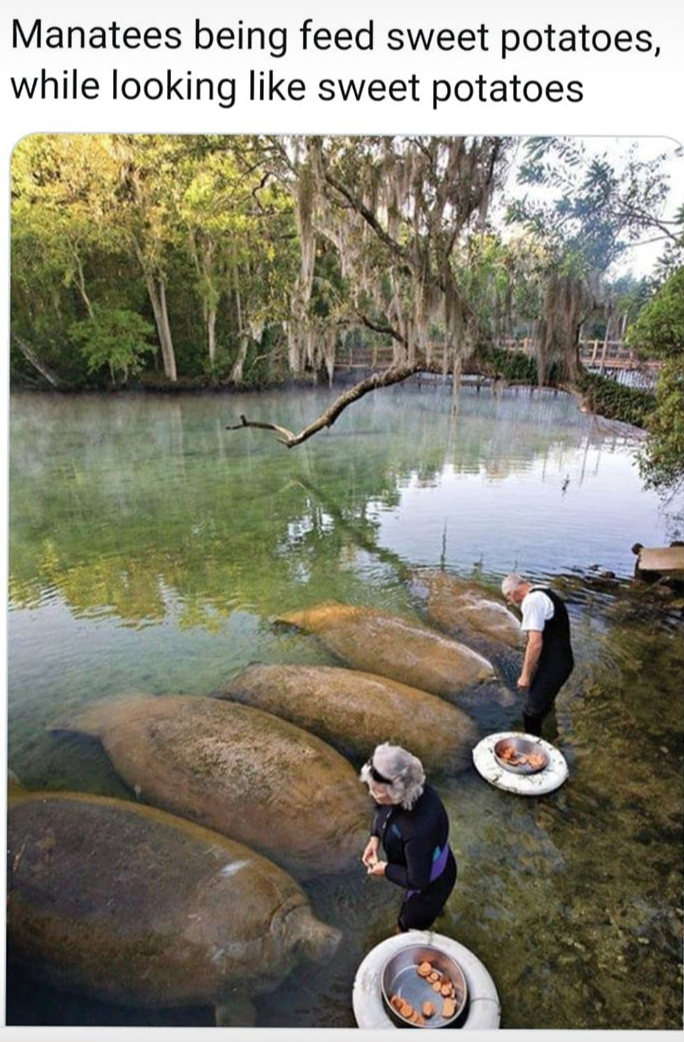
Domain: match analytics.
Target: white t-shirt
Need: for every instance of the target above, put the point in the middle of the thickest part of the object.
(536, 610)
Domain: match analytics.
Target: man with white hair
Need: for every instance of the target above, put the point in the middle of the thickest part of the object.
(412, 824)
(548, 658)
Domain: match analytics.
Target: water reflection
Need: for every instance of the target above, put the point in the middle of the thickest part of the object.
(125, 507)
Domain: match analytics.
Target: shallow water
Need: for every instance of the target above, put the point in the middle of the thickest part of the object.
(149, 547)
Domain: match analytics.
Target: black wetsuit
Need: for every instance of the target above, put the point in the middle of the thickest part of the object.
(414, 840)
(555, 665)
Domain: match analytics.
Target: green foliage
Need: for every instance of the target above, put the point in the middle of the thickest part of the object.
(506, 365)
(113, 337)
(659, 330)
(659, 333)
(616, 401)
(662, 460)
(109, 222)
(600, 207)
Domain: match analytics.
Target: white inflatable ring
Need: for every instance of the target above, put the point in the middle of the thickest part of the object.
(537, 784)
(484, 1009)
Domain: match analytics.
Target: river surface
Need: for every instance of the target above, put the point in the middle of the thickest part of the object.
(149, 547)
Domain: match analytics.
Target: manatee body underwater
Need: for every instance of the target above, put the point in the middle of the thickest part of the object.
(128, 904)
(460, 608)
(242, 772)
(395, 647)
(355, 711)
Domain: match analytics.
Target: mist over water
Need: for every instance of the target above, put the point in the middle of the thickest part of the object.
(150, 547)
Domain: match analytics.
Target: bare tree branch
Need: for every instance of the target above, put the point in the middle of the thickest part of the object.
(369, 217)
(388, 330)
(394, 375)
(287, 436)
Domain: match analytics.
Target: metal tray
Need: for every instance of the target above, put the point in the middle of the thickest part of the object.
(399, 977)
(521, 745)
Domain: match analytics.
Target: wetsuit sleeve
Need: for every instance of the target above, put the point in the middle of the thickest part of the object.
(415, 875)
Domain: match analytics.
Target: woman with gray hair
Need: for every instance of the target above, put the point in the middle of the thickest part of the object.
(413, 827)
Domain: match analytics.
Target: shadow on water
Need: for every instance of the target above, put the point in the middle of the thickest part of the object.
(150, 548)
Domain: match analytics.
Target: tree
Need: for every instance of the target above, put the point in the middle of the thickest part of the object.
(61, 238)
(113, 337)
(597, 214)
(659, 333)
(395, 210)
(143, 198)
(238, 225)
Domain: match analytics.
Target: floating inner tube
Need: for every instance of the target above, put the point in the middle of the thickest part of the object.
(483, 1011)
(552, 777)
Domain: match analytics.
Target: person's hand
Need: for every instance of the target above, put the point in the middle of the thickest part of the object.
(377, 869)
(523, 681)
(370, 854)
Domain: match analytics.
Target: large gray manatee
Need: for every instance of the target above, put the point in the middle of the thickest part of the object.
(355, 711)
(461, 608)
(394, 647)
(242, 772)
(129, 904)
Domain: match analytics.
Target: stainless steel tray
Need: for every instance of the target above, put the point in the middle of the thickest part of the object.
(520, 745)
(399, 977)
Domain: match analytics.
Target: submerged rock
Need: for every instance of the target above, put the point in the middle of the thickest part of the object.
(356, 711)
(460, 607)
(128, 904)
(242, 772)
(393, 647)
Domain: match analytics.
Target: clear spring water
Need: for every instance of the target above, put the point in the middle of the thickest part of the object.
(149, 547)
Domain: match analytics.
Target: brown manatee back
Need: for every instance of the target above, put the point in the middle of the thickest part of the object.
(356, 711)
(132, 905)
(459, 607)
(395, 647)
(240, 771)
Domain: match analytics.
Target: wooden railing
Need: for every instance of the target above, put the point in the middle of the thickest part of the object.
(613, 354)
(604, 354)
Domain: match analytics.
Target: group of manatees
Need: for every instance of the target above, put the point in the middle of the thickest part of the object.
(184, 896)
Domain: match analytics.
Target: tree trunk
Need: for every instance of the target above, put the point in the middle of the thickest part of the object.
(157, 294)
(239, 363)
(211, 298)
(37, 363)
(243, 339)
(566, 303)
(211, 333)
(82, 286)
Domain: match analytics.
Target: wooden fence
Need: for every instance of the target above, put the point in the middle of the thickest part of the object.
(595, 354)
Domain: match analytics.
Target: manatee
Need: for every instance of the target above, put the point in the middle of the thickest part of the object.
(128, 904)
(245, 773)
(459, 607)
(355, 711)
(395, 647)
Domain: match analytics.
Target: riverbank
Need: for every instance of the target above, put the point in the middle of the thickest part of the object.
(488, 366)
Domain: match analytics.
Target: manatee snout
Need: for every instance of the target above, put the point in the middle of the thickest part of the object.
(313, 940)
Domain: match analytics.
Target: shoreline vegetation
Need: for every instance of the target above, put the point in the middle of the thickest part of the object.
(597, 394)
